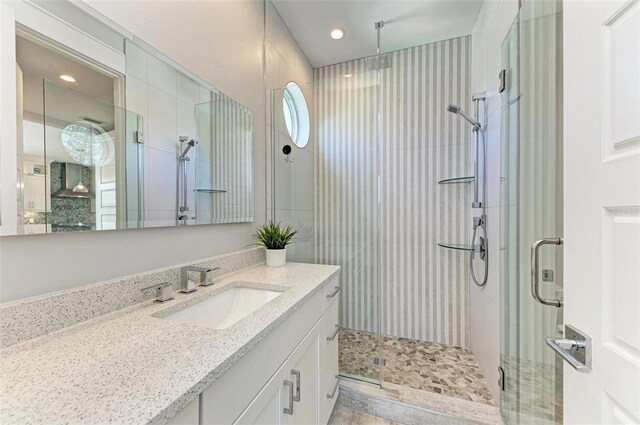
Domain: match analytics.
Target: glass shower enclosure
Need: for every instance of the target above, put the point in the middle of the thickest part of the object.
(532, 210)
(328, 189)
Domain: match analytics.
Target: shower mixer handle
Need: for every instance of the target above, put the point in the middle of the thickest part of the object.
(478, 221)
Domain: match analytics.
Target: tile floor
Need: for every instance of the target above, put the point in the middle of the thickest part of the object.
(438, 368)
(344, 416)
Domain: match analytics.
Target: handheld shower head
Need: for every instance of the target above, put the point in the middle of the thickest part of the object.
(455, 109)
(191, 143)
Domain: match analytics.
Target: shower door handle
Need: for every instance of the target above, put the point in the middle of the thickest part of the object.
(535, 271)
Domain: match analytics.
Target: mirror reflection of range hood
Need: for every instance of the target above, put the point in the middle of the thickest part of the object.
(72, 184)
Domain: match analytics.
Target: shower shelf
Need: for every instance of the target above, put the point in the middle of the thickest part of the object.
(456, 180)
(211, 190)
(459, 247)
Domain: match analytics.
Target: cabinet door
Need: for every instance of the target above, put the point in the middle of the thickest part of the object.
(34, 191)
(266, 408)
(304, 374)
(28, 193)
(287, 399)
(190, 415)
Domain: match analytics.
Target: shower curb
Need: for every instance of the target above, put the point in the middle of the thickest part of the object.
(388, 403)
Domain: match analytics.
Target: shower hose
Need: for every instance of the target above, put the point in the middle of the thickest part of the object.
(482, 224)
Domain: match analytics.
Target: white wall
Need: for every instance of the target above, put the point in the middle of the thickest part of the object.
(165, 98)
(222, 42)
(494, 20)
(293, 205)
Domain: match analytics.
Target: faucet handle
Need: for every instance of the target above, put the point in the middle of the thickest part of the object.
(208, 280)
(164, 291)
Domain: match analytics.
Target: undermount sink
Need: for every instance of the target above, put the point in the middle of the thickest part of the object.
(225, 308)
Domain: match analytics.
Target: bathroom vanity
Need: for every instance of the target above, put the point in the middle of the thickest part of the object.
(264, 352)
(293, 371)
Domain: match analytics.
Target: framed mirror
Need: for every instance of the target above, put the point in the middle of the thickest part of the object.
(112, 134)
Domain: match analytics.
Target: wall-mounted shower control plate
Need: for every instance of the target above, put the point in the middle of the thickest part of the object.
(139, 133)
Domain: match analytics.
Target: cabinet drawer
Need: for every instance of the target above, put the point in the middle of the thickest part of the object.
(329, 359)
(329, 387)
(329, 342)
(331, 291)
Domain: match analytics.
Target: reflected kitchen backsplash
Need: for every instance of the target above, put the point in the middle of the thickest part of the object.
(70, 214)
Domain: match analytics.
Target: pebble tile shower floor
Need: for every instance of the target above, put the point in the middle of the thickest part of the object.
(438, 368)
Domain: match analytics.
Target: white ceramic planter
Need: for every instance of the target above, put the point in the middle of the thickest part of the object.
(276, 257)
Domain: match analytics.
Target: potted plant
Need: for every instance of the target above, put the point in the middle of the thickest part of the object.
(275, 238)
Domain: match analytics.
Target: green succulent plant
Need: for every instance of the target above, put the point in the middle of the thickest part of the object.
(275, 236)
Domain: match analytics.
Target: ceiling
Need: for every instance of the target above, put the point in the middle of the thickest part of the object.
(90, 96)
(39, 63)
(407, 24)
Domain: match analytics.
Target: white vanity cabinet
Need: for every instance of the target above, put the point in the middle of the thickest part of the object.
(287, 378)
(291, 396)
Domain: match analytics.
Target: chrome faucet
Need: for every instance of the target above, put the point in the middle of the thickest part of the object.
(188, 283)
(164, 291)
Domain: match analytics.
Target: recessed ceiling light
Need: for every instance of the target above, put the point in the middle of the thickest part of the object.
(348, 75)
(337, 33)
(67, 78)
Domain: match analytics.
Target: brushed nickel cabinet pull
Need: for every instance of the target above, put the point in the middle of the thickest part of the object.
(296, 373)
(335, 388)
(334, 293)
(289, 410)
(332, 337)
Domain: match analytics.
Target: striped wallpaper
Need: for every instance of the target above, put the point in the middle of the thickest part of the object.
(224, 162)
(423, 289)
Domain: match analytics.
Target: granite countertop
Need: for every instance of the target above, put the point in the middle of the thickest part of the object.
(132, 366)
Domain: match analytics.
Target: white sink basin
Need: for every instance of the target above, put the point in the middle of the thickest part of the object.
(224, 309)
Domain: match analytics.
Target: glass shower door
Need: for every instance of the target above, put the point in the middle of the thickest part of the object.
(532, 210)
(328, 190)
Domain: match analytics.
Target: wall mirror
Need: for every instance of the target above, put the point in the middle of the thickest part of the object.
(112, 134)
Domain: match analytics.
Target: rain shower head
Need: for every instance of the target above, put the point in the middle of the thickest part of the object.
(455, 109)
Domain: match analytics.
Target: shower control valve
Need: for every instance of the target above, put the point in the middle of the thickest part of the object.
(478, 221)
(483, 248)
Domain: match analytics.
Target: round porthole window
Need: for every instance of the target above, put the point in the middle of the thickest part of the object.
(296, 114)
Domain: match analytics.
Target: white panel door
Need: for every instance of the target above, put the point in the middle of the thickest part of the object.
(106, 201)
(602, 206)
